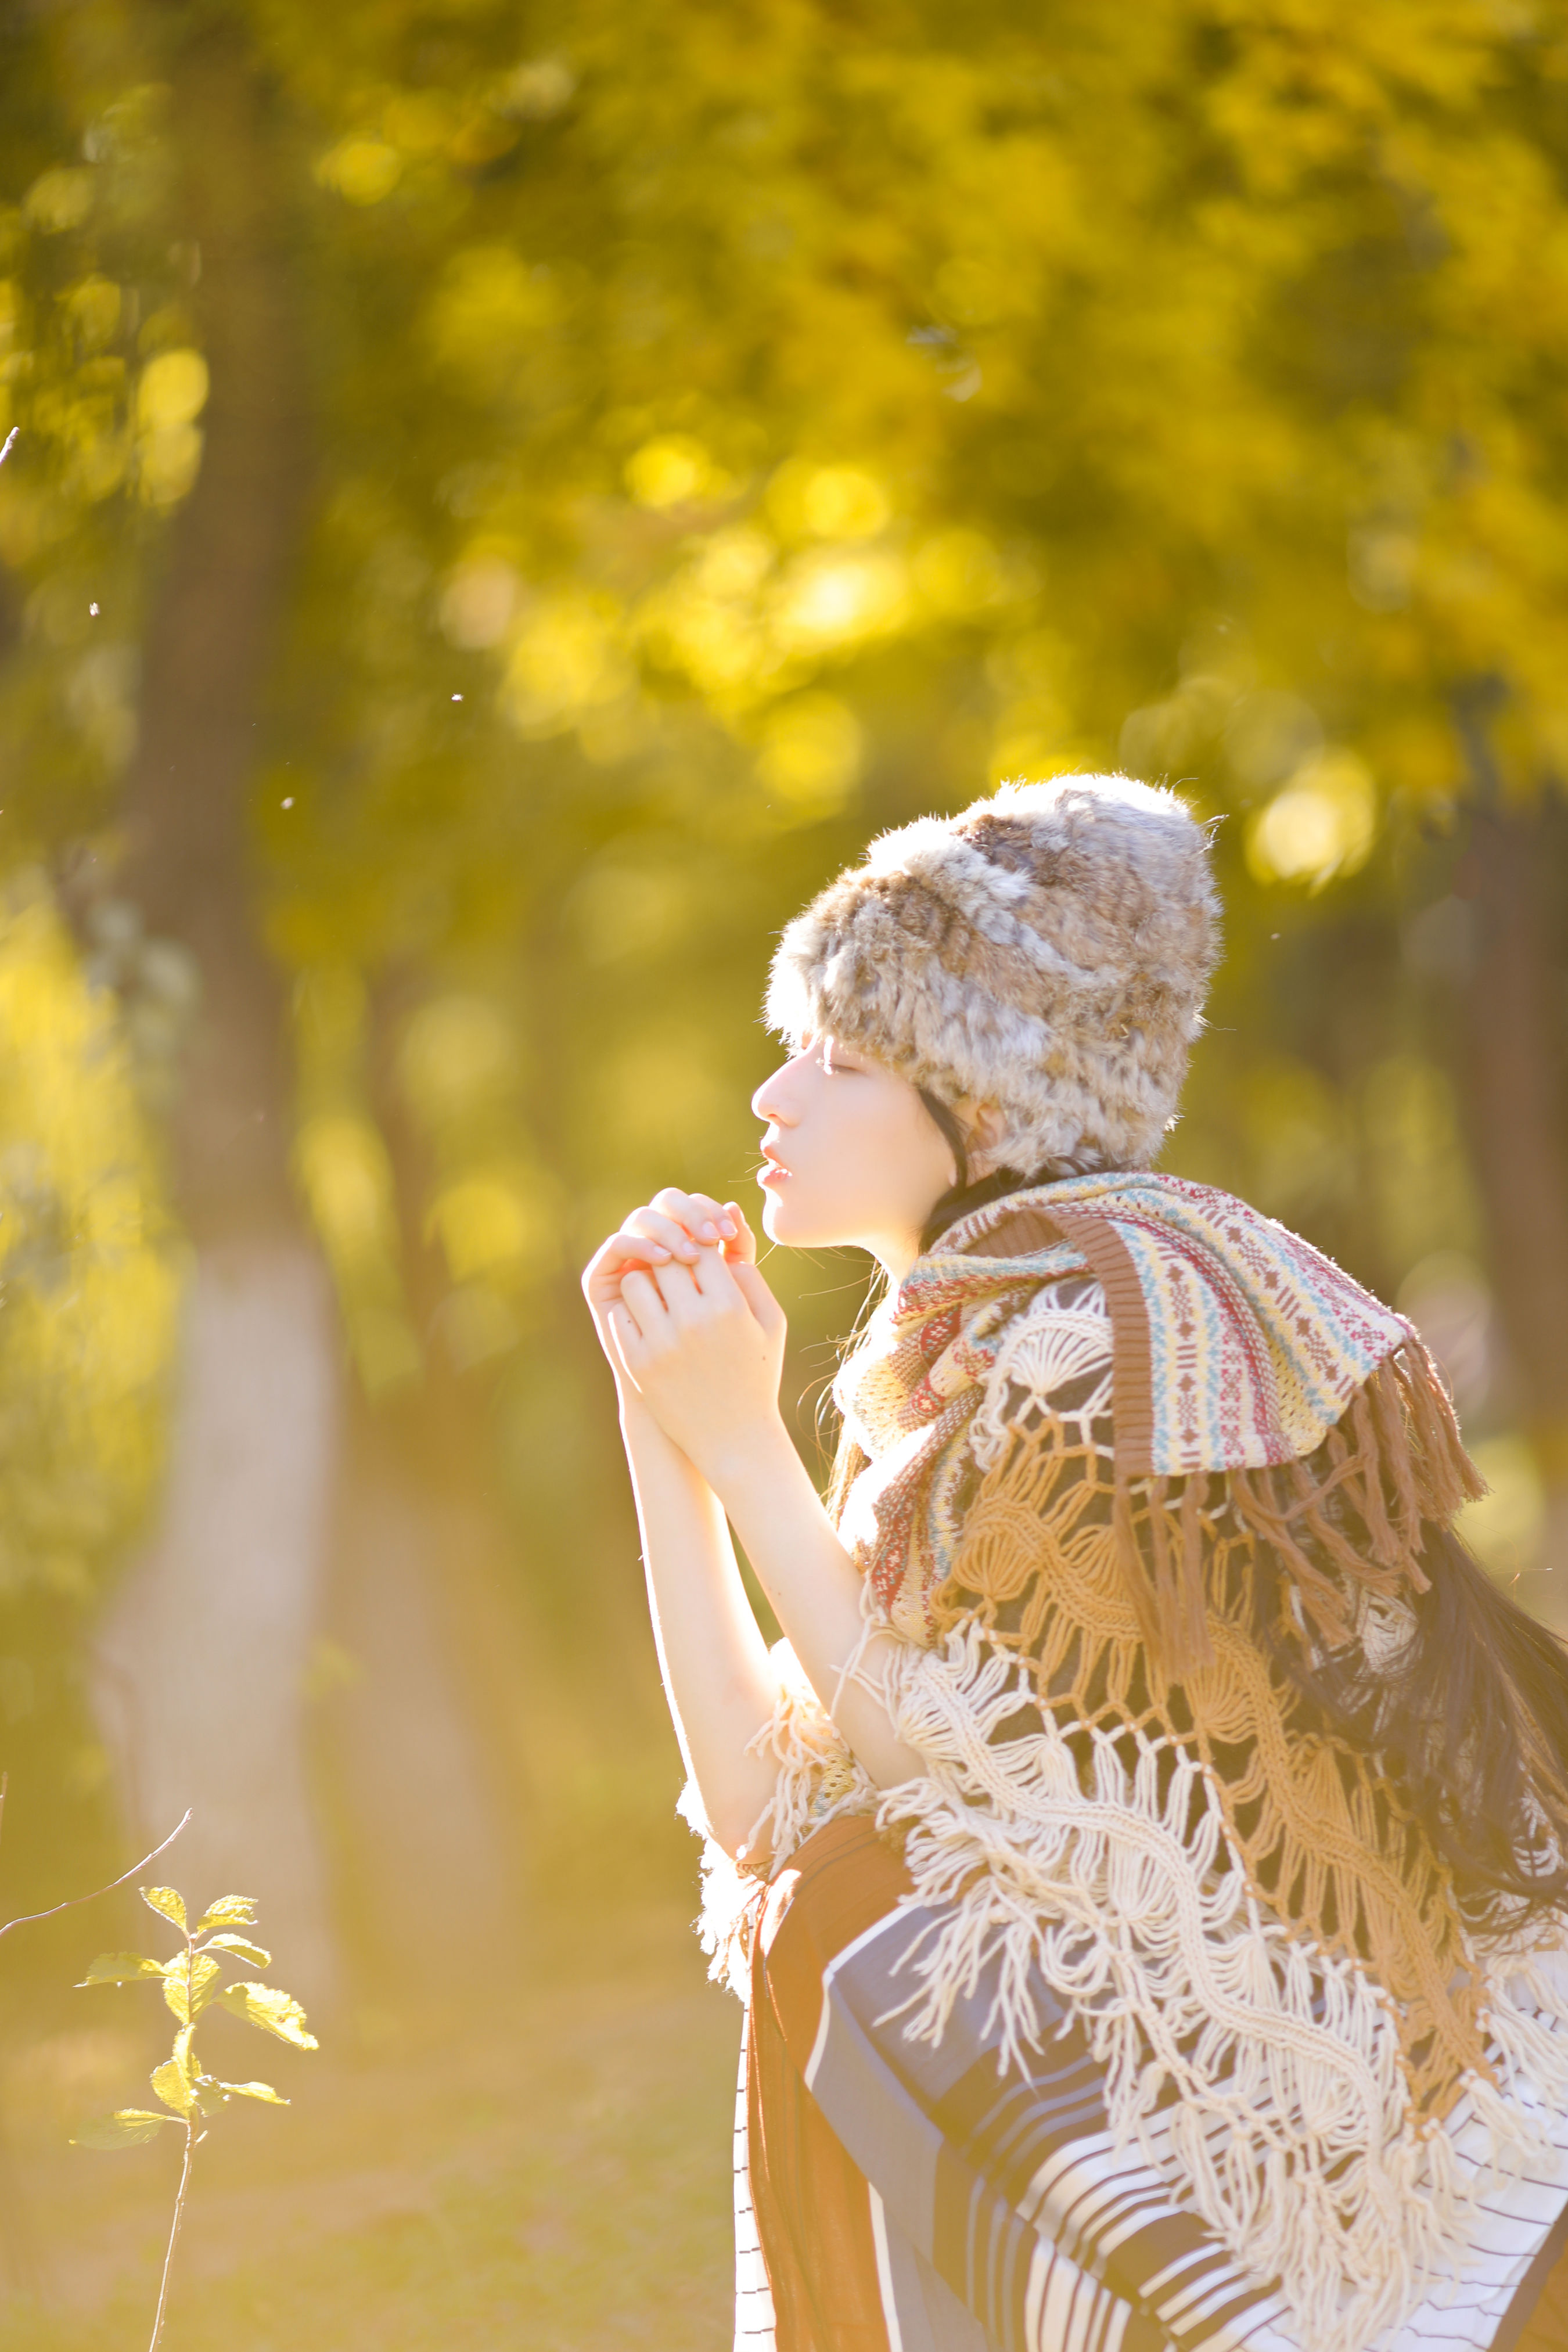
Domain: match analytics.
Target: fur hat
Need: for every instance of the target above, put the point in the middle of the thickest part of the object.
(1047, 951)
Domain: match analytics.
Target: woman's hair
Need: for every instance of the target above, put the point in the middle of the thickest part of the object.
(962, 1196)
(1470, 1721)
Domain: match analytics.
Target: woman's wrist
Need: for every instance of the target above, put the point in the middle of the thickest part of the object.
(646, 1442)
(748, 1467)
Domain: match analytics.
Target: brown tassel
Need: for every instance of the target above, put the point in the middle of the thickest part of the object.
(1255, 1504)
(1386, 1547)
(1188, 1597)
(1170, 1600)
(1450, 1476)
(1394, 1457)
(1137, 1575)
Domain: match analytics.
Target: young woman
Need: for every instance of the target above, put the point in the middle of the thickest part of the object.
(1145, 1862)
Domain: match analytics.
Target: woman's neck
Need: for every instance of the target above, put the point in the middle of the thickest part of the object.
(895, 1253)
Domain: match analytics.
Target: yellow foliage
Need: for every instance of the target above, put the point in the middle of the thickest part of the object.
(959, 572)
(669, 472)
(91, 1285)
(173, 391)
(563, 662)
(1322, 824)
(740, 405)
(479, 600)
(170, 397)
(59, 200)
(810, 757)
(806, 500)
(344, 1171)
(457, 1059)
(488, 311)
(496, 1221)
(347, 1179)
(832, 601)
(362, 170)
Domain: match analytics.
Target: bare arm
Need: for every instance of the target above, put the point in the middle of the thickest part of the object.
(699, 1336)
(717, 1676)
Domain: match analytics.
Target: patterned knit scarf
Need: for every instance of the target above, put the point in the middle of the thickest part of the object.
(1238, 1350)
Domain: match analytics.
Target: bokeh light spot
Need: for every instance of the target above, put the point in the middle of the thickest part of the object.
(1321, 825)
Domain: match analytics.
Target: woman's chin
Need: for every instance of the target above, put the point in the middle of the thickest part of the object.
(775, 1218)
(791, 1224)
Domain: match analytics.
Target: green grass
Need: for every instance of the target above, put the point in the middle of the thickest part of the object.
(561, 2185)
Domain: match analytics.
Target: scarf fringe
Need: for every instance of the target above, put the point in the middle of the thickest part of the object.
(818, 1777)
(1262, 2073)
(1401, 1462)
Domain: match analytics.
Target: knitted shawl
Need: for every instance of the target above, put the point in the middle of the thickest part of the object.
(1236, 1905)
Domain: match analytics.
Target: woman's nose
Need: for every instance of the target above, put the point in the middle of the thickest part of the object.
(771, 1102)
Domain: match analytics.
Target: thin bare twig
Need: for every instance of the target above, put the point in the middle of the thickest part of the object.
(31, 1918)
(9, 438)
(191, 2136)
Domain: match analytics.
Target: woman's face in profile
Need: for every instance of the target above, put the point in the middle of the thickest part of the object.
(850, 1155)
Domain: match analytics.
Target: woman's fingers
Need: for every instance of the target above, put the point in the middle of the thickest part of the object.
(704, 1218)
(630, 1248)
(679, 1285)
(675, 1229)
(663, 1233)
(641, 1294)
(752, 1288)
(744, 1248)
(624, 1338)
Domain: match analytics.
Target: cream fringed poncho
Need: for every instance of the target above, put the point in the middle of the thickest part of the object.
(1078, 1431)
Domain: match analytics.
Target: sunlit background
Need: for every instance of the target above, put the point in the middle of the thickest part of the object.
(505, 501)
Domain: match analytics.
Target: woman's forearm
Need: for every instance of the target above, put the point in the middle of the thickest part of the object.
(718, 1677)
(815, 1591)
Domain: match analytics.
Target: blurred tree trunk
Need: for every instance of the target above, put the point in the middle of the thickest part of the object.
(202, 1654)
(203, 1660)
(1515, 1065)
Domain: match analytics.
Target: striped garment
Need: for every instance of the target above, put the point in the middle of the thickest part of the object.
(894, 2197)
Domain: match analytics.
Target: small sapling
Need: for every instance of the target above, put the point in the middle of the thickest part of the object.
(190, 2097)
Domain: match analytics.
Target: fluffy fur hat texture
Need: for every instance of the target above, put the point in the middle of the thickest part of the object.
(1046, 951)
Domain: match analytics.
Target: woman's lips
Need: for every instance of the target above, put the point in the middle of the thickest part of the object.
(773, 1172)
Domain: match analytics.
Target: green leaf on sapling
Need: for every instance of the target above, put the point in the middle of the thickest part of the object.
(228, 1911)
(174, 2087)
(241, 1948)
(253, 2091)
(187, 1992)
(121, 1968)
(127, 2127)
(163, 1900)
(271, 2007)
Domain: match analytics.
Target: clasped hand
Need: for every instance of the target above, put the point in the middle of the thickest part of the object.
(691, 1329)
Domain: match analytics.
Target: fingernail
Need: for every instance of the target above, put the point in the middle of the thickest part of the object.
(728, 1228)
(708, 1232)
